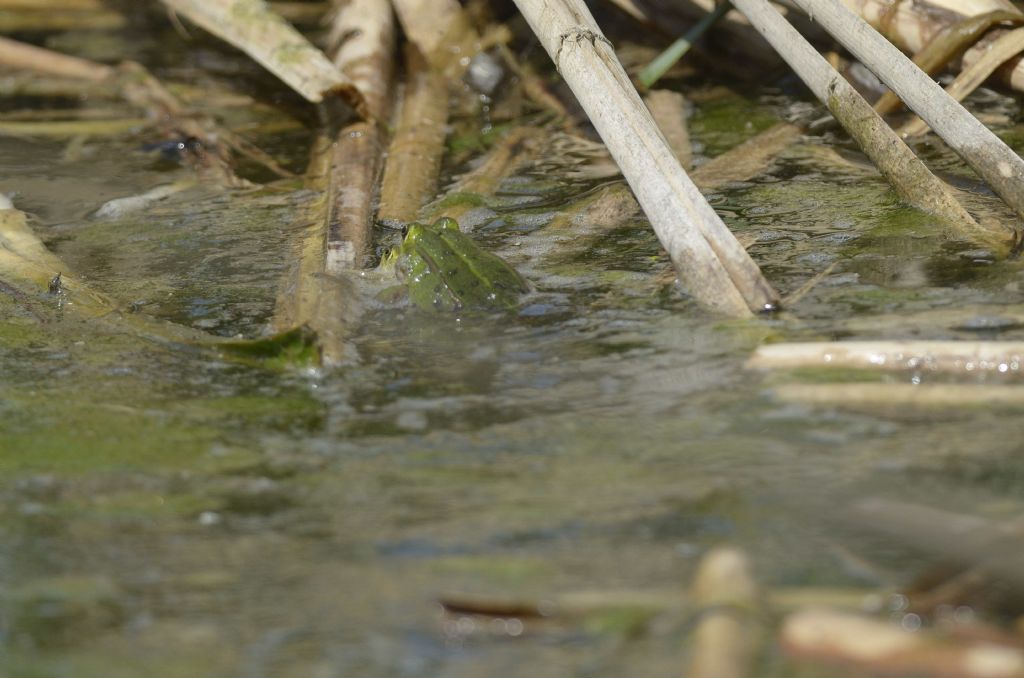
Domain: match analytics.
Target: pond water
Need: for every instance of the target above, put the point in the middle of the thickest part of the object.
(165, 512)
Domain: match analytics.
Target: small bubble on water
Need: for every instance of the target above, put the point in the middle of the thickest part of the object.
(911, 622)
(208, 518)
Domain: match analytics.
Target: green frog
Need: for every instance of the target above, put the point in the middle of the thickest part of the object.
(444, 269)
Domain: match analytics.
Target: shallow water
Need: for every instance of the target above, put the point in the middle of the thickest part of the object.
(168, 513)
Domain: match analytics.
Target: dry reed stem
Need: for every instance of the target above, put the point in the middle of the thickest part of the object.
(992, 159)
(970, 78)
(714, 267)
(956, 357)
(273, 43)
(727, 636)
(904, 171)
(417, 146)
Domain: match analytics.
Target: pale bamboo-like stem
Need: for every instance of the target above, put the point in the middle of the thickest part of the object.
(999, 52)
(905, 172)
(957, 357)
(976, 144)
(414, 157)
(726, 638)
(714, 266)
(273, 43)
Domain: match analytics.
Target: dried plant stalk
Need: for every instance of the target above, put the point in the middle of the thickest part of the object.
(273, 43)
(714, 266)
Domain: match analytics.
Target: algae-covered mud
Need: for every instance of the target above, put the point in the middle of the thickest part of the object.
(167, 512)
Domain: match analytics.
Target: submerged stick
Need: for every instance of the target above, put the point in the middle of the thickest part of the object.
(716, 269)
(273, 43)
(999, 52)
(958, 357)
(905, 172)
(976, 144)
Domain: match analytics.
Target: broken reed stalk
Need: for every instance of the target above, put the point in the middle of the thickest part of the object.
(414, 157)
(363, 41)
(273, 43)
(970, 78)
(715, 268)
(947, 45)
(905, 172)
(727, 598)
(344, 168)
(957, 357)
(993, 160)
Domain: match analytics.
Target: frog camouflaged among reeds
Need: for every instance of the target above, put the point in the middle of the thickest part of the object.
(444, 269)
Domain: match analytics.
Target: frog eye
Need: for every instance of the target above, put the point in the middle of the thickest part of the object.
(405, 232)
